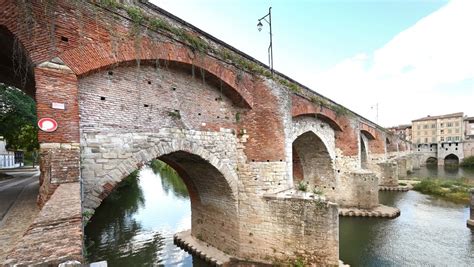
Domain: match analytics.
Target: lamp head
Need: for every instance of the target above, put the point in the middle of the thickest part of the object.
(259, 26)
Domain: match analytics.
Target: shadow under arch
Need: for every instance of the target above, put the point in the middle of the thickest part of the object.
(312, 162)
(16, 67)
(364, 152)
(451, 160)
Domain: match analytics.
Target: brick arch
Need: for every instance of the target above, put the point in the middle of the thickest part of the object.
(303, 107)
(370, 136)
(99, 56)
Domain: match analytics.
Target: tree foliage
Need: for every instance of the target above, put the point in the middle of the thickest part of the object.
(18, 119)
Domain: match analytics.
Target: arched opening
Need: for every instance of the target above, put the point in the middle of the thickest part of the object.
(16, 69)
(18, 141)
(135, 223)
(312, 163)
(451, 160)
(431, 161)
(363, 154)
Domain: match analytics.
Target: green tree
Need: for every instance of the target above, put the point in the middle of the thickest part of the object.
(18, 119)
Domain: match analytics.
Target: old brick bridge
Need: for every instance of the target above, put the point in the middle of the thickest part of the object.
(138, 83)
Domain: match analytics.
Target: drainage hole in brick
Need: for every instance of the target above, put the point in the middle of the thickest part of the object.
(64, 39)
(146, 105)
(102, 98)
(111, 73)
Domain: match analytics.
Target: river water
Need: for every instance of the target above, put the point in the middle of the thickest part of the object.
(134, 226)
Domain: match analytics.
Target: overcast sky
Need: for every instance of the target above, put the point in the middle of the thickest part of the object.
(412, 58)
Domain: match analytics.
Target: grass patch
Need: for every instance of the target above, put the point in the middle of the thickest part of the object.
(453, 190)
(468, 162)
(302, 186)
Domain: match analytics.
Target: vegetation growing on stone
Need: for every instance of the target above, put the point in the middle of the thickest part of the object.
(449, 189)
(198, 44)
(302, 186)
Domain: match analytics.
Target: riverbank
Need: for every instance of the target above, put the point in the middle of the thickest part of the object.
(449, 189)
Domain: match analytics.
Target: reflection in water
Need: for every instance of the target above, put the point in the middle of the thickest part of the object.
(134, 226)
(429, 232)
(450, 172)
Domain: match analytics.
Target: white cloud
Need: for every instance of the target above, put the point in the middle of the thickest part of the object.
(426, 69)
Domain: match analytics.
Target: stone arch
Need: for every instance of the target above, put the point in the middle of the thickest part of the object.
(212, 184)
(100, 57)
(451, 159)
(320, 128)
(313, 153)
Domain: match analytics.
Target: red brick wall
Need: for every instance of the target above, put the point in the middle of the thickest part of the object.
(58, 86)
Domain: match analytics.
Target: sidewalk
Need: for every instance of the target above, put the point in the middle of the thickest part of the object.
(19, 217)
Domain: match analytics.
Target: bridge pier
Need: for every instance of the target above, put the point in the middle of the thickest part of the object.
(409, 164)
(296, 226)
(389, 174)
(416, 162)
(402, 167)
(470, 221)
(359, 189)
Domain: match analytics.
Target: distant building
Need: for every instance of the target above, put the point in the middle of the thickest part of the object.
(438, 129)
(440, 138)
(403, 131)
(468, 136)
(7, 158)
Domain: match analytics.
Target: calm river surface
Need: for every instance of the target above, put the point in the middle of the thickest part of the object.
(443, 172)
(134, 226)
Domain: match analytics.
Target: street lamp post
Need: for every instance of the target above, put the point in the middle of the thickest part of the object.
(270, 47)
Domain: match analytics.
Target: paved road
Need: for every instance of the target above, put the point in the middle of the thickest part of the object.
(10, 189)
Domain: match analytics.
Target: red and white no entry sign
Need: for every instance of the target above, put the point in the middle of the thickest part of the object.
(47, 125)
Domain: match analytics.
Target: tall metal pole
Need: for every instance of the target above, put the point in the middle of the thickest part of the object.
(271, 40)
(270, 47)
